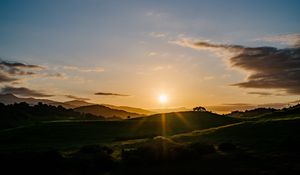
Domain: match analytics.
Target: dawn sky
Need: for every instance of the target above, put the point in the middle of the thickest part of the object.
(199, 52)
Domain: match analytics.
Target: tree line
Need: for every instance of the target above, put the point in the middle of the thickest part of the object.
(20, 113)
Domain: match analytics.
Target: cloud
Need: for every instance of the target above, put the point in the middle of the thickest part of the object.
(208, 77)
(19, 65)
(17, 68)
(261, 93)
(158, 35)
(84, 69)
(22, 91)
(162, 67)
(289, 39)
(152, 54)
(110, 94)
(268, 67)
(4, 78)
(77, 98)
(295, 102)
(265, 93)
(10, 71)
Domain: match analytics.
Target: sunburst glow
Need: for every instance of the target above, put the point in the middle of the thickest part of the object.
(163, 99)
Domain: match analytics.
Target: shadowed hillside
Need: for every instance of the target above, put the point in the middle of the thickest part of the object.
(72, 133)
(19, 114)
(105, 111)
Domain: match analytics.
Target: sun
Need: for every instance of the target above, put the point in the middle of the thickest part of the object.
(163, 99)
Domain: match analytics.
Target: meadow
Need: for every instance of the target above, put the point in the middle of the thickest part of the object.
(183, 142)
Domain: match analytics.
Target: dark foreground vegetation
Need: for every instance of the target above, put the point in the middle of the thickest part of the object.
(196, 142)
(18, 114)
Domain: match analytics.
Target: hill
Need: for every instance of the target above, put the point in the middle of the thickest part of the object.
(130, 109)
(105, 111)
(253, 113)
(166, 110)
(18, 114)
(72, 133)
(77, 103)
(171, 143)
(11, 99)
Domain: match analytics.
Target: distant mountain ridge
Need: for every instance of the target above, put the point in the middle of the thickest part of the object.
(130, 109)
(11, 99)
(106, 111)
(167, 110)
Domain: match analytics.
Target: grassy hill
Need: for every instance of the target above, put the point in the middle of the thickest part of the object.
(59, 134)
(105, 111)
(171, 143)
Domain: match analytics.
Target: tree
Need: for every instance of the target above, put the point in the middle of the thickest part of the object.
(199, 108)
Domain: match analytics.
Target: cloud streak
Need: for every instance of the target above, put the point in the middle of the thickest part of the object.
(110, 94)
(77, 98)
(9, 70)
(268, 67)
(22, 91)
(4, 78)
(290, 39)
(84, 69)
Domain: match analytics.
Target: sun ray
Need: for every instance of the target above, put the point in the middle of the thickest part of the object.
(183, 120)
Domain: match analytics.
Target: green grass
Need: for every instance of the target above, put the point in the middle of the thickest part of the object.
(72, 134)
(191, 144)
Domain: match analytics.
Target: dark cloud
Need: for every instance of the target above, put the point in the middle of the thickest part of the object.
(260, 93)
(222, 46)
(17, 68)
(77, 98)
(265, 94)
(22, 91)
(19, 65)
(110, 94)
(5, 78)
(9, 70)
(268, 67)
(236, 104)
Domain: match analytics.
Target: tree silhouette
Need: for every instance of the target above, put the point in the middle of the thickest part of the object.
(199, 108)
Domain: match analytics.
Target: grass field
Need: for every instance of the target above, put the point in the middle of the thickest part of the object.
(70, 134)
(172, 143)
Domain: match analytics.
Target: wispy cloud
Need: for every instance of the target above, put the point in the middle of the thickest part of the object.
(265, 94)
(84, 69)
(158, 35)
(268, 67)
(77, 98)
(19, 65)
(110, 94)
(208, 77)
(289, 39)
(150, 54)
(22, 91)
(10, 71)
(4, 78)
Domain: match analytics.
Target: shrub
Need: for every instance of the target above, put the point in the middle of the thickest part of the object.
(226, 147)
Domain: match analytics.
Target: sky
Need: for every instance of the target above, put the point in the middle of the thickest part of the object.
(196, 52)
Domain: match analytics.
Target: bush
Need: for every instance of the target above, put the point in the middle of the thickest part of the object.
(164, 150)
(93, 158)
(226, 147)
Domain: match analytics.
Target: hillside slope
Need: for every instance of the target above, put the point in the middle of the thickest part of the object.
(105, 111)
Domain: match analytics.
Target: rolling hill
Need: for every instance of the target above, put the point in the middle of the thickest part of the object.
(106, 111)
(130, 109)
(11, 99)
